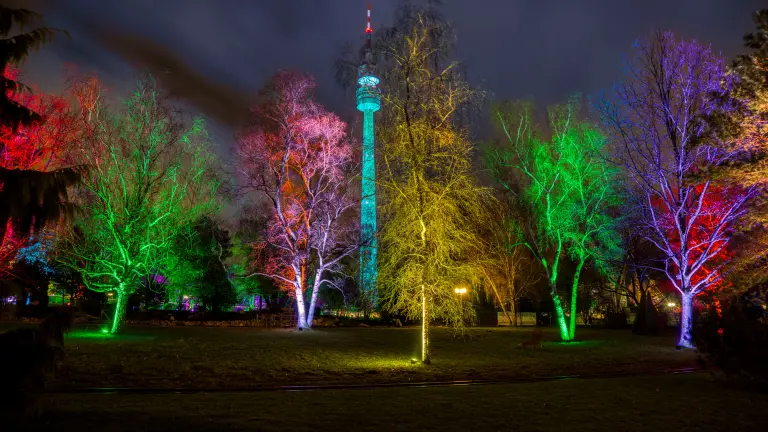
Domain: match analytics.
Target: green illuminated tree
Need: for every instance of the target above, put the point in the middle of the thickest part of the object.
(432, 205)
(148, 174)
(567, 189)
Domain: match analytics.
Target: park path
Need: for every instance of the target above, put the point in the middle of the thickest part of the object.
(649, 403)
(371, 386)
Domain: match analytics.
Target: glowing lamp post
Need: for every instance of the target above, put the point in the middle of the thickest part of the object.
(461, 291)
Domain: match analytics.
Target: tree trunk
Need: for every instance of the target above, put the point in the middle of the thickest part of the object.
(301, 316)
(119, 315)
(552, 280)
(426, 353)
(313, 301)
(686, 320)
(513, 312)
(574, 297)
(300, 286)
(498, 297)
(561, 323)
(504, 310)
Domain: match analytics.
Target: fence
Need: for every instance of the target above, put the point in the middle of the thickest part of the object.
(262, 320)
(529, 319)
(523, 319)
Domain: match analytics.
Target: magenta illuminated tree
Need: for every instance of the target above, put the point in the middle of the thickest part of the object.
(658, 118)
(296, 156)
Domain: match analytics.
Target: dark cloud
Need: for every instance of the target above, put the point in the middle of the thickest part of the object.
(220, 52)
(224, 103)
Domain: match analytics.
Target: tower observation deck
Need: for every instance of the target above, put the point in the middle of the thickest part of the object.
(368, 98)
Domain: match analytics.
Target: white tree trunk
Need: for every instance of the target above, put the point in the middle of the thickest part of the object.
(301, 314)
(686, 320)
(313, 300)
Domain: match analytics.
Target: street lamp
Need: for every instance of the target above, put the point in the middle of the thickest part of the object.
(461, 291)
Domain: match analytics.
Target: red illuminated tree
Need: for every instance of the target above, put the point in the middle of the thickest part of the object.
(296, 156)
(31, 198)
(36, 146)
(708, 237)
(658, 117)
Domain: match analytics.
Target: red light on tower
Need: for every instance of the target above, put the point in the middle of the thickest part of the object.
(368, 28)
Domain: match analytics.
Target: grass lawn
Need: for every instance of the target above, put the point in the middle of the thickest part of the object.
(242, 357)
(654, 403)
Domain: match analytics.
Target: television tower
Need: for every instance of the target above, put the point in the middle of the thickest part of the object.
(368, 98)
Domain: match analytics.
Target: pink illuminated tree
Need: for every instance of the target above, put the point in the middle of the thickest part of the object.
(295, 155)
(658, 117)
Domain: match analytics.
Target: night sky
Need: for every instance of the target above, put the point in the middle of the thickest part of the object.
(219, 52)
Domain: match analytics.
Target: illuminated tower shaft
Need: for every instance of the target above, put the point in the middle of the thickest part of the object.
(368, 101)
(369, 251)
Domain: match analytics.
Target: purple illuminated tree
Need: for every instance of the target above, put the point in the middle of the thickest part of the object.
(295, 155)
(658, 117)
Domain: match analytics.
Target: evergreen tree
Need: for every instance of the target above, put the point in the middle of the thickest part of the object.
(742, 123)
(31, 199)
(214, 288)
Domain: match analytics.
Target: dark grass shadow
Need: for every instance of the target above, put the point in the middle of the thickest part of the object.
(626, 404)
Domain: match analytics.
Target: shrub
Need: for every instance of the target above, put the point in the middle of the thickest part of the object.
(616, 320)
(735, 341)
(648, 320)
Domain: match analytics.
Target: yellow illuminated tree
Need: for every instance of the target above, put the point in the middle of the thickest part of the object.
(508, 267)
(432, 205)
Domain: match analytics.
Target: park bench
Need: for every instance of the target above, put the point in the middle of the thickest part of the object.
(82, 317)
